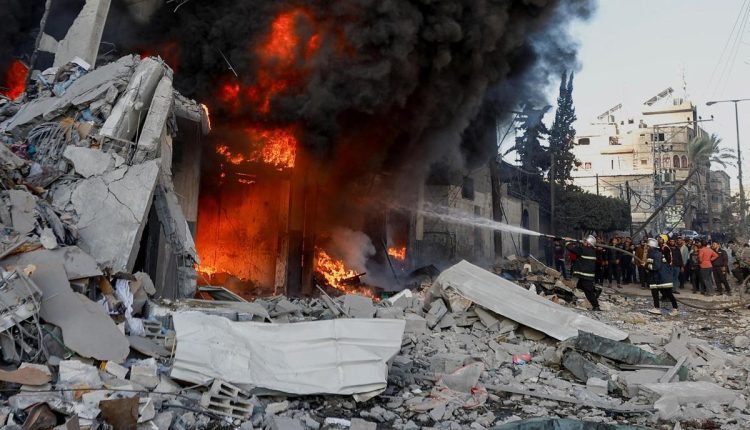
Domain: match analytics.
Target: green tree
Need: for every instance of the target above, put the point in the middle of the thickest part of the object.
(730, 216)
(562, 133)
(533, 156)
(702, 152)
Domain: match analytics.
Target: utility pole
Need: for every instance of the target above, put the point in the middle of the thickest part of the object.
(739, 153)
(597, 184)
(739, 165)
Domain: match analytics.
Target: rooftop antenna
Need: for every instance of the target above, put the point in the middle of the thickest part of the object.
(683, 73)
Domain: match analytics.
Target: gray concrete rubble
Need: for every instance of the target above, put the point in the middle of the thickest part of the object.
(85, 34)
(102, 163)
(103, 324)
(294, 363)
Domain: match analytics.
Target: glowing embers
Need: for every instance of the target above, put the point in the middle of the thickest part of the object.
(398, 253)
(275, 147)
(338, 276)
(14, 83)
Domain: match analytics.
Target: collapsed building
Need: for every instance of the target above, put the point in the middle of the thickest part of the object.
(102, 195)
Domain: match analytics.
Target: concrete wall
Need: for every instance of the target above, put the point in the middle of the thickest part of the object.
(439, 242)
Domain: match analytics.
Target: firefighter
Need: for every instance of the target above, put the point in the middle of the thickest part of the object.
(584, 268)
(659, 277)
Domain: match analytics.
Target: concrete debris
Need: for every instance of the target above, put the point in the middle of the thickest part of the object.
(85, 34)
(92, 193)
(505, 298)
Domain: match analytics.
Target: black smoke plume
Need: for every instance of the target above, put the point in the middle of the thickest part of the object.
(400, 84)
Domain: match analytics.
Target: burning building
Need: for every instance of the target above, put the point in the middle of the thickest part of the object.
(329, 118)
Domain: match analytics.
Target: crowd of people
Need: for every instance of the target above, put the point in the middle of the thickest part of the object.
(662, 264)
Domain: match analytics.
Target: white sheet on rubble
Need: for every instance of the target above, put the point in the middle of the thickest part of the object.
(343, 356)
(509, 300)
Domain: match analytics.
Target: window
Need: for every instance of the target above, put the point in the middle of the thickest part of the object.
(584, 141)
(684, 162)
(612, 163)
(657, 137)
(667, 162)
(676, 162)
(587, 165)
(467, 188)
(644, 162)
(614, 140)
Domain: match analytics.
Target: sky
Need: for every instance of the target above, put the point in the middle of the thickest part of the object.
(630, 50)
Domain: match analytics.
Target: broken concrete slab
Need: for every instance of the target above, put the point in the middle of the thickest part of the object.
(344, 356)
(84, 35)
(87, 329)
(286, 423)
(154, 128)
(562, 424)
(89, 87)
(597, 386)
(692, 392)
(22, 206)
(437, 311)
(115, 206)
(77, 263)
(509, 300)
(357, 306)
(88, 162)
(130, 109)
(8, 160)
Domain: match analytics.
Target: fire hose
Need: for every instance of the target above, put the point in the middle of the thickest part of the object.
(742, 303)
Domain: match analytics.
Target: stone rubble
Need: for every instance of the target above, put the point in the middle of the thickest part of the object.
(79, 182)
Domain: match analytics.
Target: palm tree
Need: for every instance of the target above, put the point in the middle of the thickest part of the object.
(702, 151)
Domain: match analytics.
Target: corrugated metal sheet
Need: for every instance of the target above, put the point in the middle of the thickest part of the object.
(511, 301)
(344, 356)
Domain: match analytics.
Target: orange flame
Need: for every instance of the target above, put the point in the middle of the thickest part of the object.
(276, 147)
(398, 253)
(335, 272)
(15, 80)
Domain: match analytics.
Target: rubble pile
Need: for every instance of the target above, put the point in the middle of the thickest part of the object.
(87, 343)
(87, 154)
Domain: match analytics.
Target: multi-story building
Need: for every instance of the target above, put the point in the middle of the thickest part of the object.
(642, 158)
(719, 196)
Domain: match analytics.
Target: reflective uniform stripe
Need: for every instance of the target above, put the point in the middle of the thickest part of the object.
(657, 286)
(586, 257)
(588, 275)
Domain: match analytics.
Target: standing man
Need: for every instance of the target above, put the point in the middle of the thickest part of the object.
(626, 262)
(677, 264)
(640, 261)
(613, 262)
(660, 277)
(685, 254)
(559, 255)
(706, 256)
(720, 267)
(695, 268)
(584, 268)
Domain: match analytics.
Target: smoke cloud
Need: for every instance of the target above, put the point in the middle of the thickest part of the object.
(354, 248)
(383, 89)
